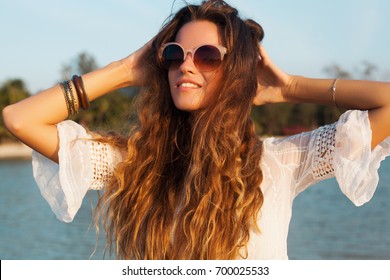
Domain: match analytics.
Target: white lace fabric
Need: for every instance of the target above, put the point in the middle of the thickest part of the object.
(289, 165)
(84, 165)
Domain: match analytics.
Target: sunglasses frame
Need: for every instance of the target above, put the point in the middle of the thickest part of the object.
(186, 52)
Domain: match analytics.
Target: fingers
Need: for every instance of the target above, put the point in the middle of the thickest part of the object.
(263, 55)
(261, 50)
(135, 66)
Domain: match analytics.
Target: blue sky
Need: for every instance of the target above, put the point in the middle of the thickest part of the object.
(302, 37)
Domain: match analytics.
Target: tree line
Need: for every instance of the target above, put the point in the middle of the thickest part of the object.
(113, 111)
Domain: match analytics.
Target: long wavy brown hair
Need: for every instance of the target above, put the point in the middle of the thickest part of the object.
(189, 187)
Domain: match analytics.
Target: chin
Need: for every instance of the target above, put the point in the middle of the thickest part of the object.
(189, 103)
(187, 107)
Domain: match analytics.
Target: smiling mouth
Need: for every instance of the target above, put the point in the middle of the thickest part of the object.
(188, 85)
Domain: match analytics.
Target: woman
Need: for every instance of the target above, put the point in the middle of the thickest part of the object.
(192, 180)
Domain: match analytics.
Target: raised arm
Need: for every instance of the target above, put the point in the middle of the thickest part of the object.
(276, 86)
(33, 120)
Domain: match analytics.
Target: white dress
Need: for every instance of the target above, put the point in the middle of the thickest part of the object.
(289, 165)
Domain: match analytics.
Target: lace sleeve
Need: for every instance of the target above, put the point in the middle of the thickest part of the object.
(355, 164)
(343, 150)
(303, 159)
(84, 164)
(324, 146)
(103, 159)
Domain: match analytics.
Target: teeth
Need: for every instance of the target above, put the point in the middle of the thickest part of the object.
(189, 85)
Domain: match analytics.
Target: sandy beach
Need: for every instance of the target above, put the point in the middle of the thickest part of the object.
(14, 151)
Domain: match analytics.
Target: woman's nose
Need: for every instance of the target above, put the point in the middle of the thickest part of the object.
(188, 64)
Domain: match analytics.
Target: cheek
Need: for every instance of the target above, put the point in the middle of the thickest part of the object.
(212, 82)
(170, 79)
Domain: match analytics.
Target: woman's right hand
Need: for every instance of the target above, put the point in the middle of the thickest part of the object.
(135, 67)
(273, 83)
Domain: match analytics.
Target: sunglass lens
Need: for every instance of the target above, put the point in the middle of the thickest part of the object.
(172, 56)
(207, 58)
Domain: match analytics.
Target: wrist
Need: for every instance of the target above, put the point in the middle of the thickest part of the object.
(289, 94)
(120, 73)
(310, 90)
(127, 66)
(104, 80)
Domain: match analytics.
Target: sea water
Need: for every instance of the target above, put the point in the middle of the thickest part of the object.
(325, 224)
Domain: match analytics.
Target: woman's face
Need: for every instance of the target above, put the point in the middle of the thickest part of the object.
(192, 89)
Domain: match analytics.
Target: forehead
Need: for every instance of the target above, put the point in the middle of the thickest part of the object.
(196, 33)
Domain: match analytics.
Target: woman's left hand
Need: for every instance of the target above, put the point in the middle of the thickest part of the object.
(273, 83)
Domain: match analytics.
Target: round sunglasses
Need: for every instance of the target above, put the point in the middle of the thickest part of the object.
(205, 57)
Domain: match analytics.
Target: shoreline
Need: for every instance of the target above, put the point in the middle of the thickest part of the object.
(14, 150)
